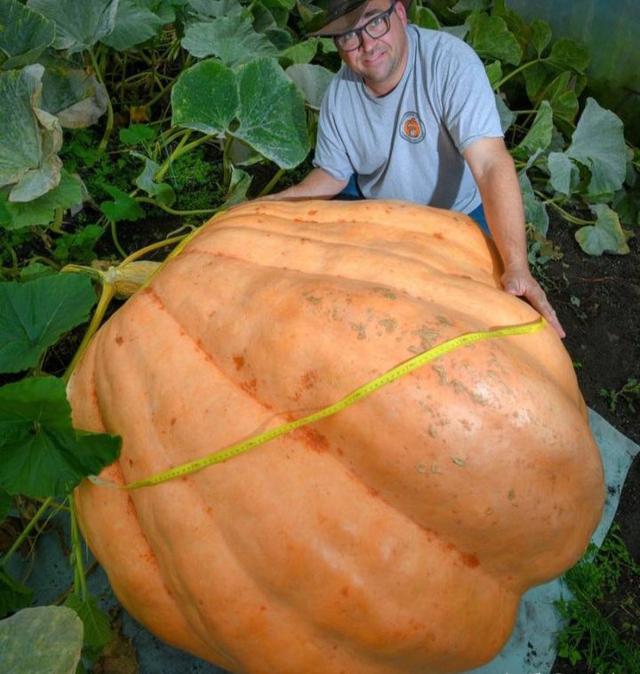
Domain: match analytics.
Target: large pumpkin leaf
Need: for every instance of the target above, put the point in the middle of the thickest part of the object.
(74, 96)
(302, 52)
(79, 23)
(44, 639)
(539, 135)
(41, 454)
(271, 113)
(540, 35)
(231, 39)
(598, 143)
(205, 97)
(491, 38)
(563, 173)
(311, 80)
(606, 236)
(135, 23)
(35, 314)
(20, 143)
(268, 108)
(41, 211)
(535, 212)
(507, 117)
(24, 34)
(567, 53)
(217, 8)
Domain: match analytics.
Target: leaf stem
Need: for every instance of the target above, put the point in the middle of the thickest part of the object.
(26, 531)
(79, 576)
(513, 73)
(151, 247)
(106, 296)
(272, 183)
(109, 127)
(114, 237)
(168, 209)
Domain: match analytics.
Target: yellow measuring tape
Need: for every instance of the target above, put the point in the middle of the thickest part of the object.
(362, 392)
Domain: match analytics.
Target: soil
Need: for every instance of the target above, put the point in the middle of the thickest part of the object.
(597, 301)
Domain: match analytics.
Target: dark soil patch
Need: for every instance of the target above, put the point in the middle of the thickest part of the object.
(597, 300)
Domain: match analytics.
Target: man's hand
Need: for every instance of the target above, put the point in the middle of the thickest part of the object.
(520, 282)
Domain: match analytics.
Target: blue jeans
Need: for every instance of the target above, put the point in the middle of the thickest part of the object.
(352, 193)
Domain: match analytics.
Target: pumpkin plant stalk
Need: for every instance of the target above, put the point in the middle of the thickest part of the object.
(26, 531)
(108, 291)
(107, 132)
(272, 183)
(79, 576)
(513, 73)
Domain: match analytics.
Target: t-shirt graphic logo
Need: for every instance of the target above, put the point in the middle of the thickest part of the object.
(411, 127)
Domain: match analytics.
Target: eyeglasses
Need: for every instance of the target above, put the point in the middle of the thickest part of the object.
(376, 27)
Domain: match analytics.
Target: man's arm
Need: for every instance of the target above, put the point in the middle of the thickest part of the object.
(317, 184)
(495, 175)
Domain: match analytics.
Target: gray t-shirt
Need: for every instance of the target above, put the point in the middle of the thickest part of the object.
(408, 144)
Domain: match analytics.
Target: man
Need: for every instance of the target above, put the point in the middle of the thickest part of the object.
(412, 115)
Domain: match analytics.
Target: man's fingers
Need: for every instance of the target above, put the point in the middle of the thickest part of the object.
(530, 289)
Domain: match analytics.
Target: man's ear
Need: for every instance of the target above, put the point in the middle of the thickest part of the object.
(401, 12)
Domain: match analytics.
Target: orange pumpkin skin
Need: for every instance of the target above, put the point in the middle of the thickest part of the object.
(395, 537)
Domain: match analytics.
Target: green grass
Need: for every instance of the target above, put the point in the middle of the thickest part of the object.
(602, 629)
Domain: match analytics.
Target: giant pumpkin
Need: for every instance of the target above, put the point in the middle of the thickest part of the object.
(395, 537)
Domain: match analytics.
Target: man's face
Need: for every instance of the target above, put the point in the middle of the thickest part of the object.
(380, 62)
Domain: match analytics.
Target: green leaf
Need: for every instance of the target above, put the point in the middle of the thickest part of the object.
(425, 18)
(13, 596)
(74, 96)
(606, 236)
(134, 24)
(311, 80)
(78, 246)
(562, 97)
(598, 143)
(535, 79)
(44, 639)
(240, 183)
(535, 212)
(303, 52)
(96, 623)
(271, 113)
(540, 36)
(568, 54)
(231, 39)
(123, 206)
(217, 8)
(6, 503)
(494, 72)
(491, 38)
(507, 117)
(564, 174)
(41, 211)
(539, 135)
(205, 97)
(34, 315)
(464, 6)
(79, 23)
(137, 134)
(24, 34)
(36, 269)
(28, 159)
(161, 192)
(41, 454)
